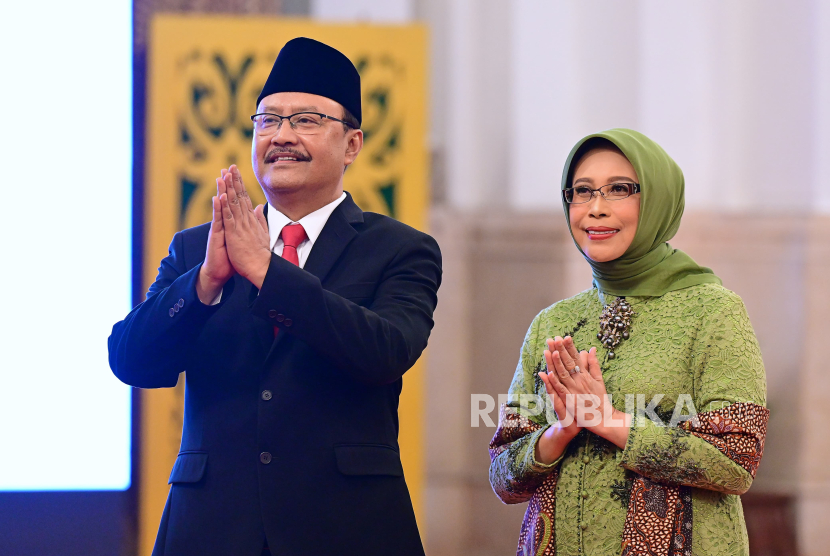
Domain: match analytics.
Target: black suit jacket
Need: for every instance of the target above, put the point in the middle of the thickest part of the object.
(293, 438)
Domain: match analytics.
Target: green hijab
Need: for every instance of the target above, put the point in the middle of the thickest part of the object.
(650, 267)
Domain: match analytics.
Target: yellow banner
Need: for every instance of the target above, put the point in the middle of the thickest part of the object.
(204, 75)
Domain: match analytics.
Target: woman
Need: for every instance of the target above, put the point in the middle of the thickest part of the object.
(660, 335)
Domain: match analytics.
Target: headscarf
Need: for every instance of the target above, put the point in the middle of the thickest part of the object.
(649, 267)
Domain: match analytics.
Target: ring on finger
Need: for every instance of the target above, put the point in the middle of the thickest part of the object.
(575, 370)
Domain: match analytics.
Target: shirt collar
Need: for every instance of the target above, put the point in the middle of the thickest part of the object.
(313, 223)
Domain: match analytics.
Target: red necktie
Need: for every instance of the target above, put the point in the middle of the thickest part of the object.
(292, 236)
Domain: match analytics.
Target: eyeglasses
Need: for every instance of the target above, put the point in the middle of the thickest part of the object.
(305, 123)
(610, 192)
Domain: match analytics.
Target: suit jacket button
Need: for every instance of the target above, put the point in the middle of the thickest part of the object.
(288, 322)
(266, 395)
(272, 314)
(176, 308)
(171, 312)
(280, 318)
(265, 457)
(180, 303)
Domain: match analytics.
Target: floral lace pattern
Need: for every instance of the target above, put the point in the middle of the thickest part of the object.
(513, 435)
(696, 342)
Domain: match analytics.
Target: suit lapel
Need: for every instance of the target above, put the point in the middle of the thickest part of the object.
(336, 235)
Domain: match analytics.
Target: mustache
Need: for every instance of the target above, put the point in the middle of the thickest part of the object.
(276, 153)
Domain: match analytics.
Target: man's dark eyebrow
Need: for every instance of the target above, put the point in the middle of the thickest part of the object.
(275, 110)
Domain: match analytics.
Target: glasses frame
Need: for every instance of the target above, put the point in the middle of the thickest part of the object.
(599, 190)
(279, 126)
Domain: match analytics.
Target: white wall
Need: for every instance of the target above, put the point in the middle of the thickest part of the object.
(735, 90)
(820, 32)
(729, 89)
(375, 11)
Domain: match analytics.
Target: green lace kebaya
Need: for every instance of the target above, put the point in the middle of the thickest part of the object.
(671, 490)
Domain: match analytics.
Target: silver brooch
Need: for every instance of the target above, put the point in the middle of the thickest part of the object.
(614, 324)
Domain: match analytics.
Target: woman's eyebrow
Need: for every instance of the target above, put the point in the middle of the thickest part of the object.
(612, 179)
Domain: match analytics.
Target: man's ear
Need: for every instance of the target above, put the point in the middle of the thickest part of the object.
(353, 146)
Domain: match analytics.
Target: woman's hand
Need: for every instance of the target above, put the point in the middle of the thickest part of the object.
(576, 378)
(553, 441)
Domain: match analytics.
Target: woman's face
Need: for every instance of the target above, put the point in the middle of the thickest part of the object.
(604, 229)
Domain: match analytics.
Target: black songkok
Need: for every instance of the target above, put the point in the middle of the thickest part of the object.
(308, 66)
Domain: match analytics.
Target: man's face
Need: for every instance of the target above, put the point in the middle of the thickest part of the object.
(310, 165)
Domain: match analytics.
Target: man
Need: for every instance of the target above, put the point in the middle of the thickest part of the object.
(295, 323)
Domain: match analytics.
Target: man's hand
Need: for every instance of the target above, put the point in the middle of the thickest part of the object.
(245, 229)
(217, 268)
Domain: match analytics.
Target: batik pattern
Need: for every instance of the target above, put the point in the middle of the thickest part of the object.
(536, 537)
(738, 431)
(659, 520)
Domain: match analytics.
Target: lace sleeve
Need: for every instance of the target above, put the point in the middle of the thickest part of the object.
(514, 471)
(720, 450)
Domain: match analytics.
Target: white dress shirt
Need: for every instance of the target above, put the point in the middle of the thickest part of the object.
(313, 225)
